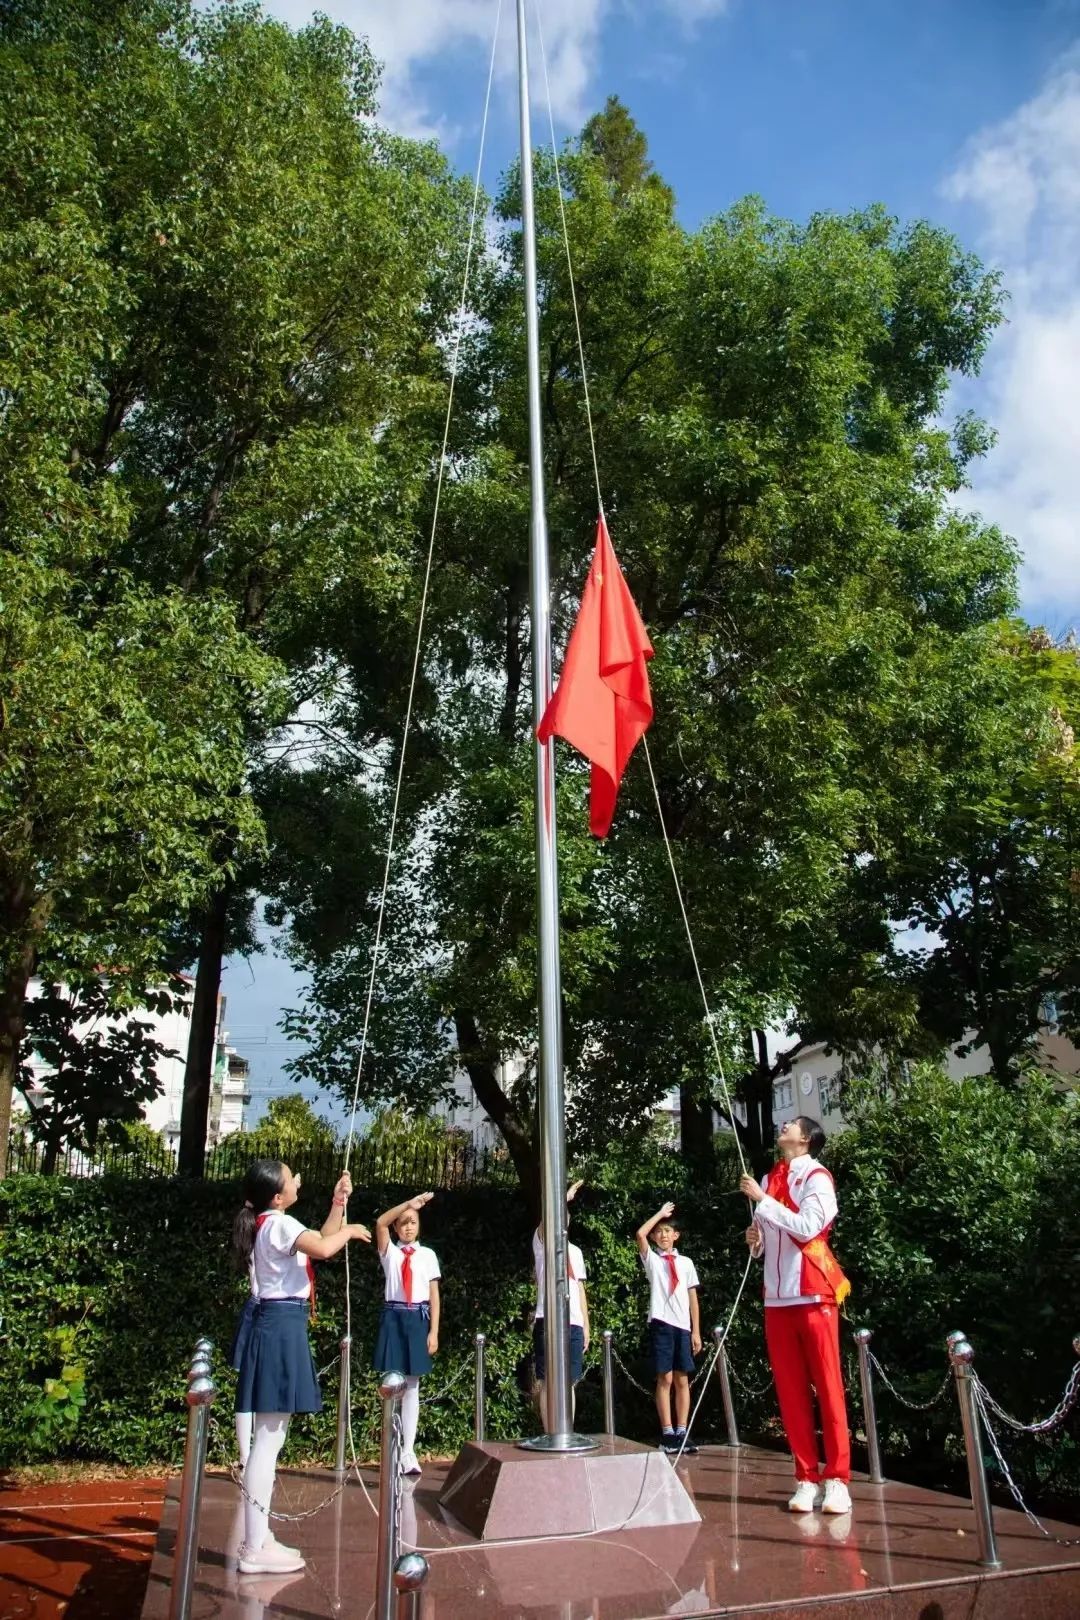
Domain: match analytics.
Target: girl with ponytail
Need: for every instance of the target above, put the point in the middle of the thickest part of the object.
(271, 1353)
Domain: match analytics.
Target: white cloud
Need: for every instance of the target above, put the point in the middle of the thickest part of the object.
(409, 34)
(1021, 178)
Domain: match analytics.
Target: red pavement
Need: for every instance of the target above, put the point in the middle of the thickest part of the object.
(81, 1550)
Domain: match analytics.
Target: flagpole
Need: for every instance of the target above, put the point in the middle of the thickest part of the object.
(558, 1389)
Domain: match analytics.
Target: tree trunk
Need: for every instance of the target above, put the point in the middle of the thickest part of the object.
(23, 919)
(521, 1145)
(695, 1129)
(757, 1091)
(198, 1069)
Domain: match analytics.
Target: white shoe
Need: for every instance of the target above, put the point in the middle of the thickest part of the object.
(270, 1559)
(805, 1498)
(287, 1552)
(837, 1498)
(409, 1464)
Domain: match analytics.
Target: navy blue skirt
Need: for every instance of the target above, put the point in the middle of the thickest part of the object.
(242, 1332)
(401, 1345)
(277, 1372)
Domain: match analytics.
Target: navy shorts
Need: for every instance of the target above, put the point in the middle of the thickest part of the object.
(669, 1348)
(577, 1351)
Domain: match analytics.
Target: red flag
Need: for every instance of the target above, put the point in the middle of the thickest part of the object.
(602, 704)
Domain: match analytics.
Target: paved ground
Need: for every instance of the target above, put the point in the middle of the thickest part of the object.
(81, 1551)
(905, 1554)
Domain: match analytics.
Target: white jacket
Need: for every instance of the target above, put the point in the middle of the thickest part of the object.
(810, 1187)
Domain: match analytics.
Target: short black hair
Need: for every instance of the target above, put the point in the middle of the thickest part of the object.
(815, 1136)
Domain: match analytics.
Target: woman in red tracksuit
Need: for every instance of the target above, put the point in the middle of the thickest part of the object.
(796, 1207)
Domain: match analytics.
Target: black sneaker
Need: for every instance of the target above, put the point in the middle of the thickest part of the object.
(668, 1442)
(684, 1441)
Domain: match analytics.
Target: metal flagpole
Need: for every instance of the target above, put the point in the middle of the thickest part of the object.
(558, 1390)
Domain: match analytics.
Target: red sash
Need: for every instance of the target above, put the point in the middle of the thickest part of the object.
(821, 1271)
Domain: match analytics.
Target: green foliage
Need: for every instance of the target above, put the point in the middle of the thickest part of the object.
(101, 1062)
(289, 1125)
(767, 397)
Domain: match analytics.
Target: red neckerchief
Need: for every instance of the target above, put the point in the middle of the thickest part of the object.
(406, 1271)
(259, 1219)
(673, 1269)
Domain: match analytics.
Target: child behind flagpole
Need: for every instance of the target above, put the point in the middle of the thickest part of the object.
(409, 1326)
(674, 1325)
(579, 1318)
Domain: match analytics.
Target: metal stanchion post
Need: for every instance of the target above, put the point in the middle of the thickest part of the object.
(961, 1355)
(344, 1375)
(725, 1388)
(200, 1395)
(479, 1417)
(866, 1383)
(410, 1573)
(609, 1385)
(391, 1389)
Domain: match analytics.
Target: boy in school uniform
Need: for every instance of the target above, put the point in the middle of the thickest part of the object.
(674, 1325)
(579, 1316)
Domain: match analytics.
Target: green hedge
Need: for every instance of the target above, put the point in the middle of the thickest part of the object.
(960, 1207)
(142, 1268)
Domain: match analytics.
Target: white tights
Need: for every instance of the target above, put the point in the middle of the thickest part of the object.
(410, 1414)
(245, 1422)
(270, 1431)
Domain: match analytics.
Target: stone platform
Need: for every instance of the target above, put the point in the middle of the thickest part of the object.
(905, 1554)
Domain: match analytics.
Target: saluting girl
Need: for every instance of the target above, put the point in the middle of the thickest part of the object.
(409, 1327)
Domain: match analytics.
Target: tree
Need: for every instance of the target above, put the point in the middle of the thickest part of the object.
(767, 401)
(101, 1061)
(289, 1126)
(265, 276)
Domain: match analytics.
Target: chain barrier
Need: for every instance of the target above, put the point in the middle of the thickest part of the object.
(1048, 1424)
(628, 1375)
(912, 1406)
(1006, 1474)
(744, 1386)
(468, 1365)
(283, 1518)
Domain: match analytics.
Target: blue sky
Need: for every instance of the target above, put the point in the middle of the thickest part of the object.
(966, 112)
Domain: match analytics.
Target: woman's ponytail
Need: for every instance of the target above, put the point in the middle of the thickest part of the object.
(262, 1182)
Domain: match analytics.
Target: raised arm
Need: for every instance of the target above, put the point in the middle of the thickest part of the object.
(571, 1193)
(336, 1218)
(389, 1216)
(318, 1246)
(641, 1236)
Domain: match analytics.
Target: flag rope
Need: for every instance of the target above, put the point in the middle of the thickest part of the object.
(569, 262)
(728, 1105)
(440, 480)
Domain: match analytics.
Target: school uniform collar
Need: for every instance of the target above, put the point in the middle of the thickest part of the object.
(801, 1162)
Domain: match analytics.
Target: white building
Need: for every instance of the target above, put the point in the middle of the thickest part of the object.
(813, 1086)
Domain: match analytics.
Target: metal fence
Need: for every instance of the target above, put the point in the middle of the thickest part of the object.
(411, 1164)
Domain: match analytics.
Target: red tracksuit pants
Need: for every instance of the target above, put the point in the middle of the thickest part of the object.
(803, 1342)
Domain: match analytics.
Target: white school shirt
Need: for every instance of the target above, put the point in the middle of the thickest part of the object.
(425, 1271)
(276, 1270)
(665, 1305)
(811, 1188)
(577, 1268)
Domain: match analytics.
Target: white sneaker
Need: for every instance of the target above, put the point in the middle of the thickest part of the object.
(805, 1498)
(288, 1552)
(270, 1559)
(837, 1498)
(409, 1464)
